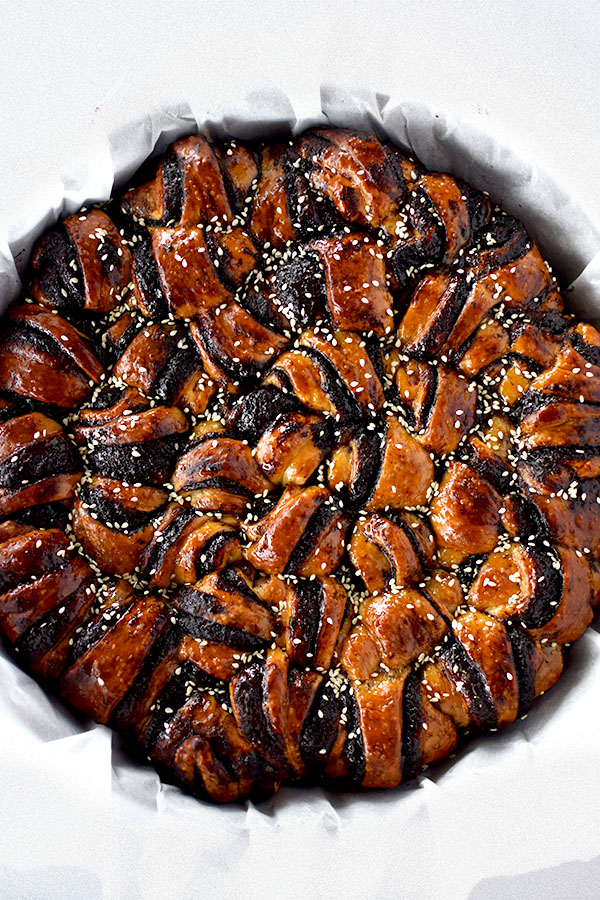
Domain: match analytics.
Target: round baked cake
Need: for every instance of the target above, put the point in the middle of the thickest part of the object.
(299, 458)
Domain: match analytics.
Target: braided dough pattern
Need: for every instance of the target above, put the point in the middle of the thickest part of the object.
(299, 458)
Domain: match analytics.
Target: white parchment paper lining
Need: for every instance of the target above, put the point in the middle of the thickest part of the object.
(515, 814)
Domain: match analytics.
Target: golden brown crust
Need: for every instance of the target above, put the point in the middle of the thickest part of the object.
(44, 358)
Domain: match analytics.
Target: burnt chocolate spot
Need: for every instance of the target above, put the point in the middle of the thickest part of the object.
(46, 458)
(159, 549)
(309, 605)
(468, 570)
(312, 213)
(124, 713)
(181, 686)
(354, 747)
(46, 515)
(504, 242)
(412, 718)
(106, 398)
(256, 411)
(43, 636)
(248, 701)
(211, 551)
(153, 465)
(343, 399)
(451, 305)
(31, 335)
(548, 586)
(108, 510)
(301, 291)
(478, 206)
(231, 578)
(318, 523)
(398, 519)
(588, 351)
(172, 187)
(179, 367)
(94, 630)
(112, 351)
(368, 447)
(523, 650)
(259, 305)
(148, 280)
(320, 728)
(195, 611)
(474, 686)
(60, 276)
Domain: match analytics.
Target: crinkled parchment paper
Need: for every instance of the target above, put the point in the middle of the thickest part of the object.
(514, 815)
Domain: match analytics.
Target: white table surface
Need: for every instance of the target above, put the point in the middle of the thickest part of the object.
(527, 71)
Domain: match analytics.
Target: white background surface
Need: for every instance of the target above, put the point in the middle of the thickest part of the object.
(527, 72)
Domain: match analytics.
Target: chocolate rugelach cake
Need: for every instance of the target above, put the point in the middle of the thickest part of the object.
(299, 458)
